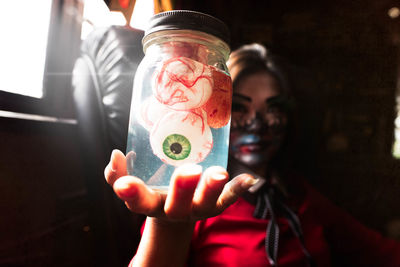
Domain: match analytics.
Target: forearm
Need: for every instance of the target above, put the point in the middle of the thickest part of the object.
(164, 243)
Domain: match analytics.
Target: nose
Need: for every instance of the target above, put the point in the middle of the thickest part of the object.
(258, 121)
(255, 122)
(273, 120)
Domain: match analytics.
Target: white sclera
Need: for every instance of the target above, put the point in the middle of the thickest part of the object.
(191, 125)
(183, 83)
(151, 111)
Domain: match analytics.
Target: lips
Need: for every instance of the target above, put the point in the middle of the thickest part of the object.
(253, 143)
(249, 143)
(250, 148)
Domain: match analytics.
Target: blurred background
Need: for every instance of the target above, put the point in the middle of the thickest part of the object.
(344, 65)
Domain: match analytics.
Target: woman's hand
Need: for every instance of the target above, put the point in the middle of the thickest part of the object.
(183, 202)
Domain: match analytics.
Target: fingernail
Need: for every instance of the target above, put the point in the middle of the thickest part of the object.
(190, 169)
(250, 181)
(110, 168)
(113, 166)
(188, 175)
(256, 185)
(218, 176)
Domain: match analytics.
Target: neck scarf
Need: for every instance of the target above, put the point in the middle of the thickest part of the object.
(270, 202)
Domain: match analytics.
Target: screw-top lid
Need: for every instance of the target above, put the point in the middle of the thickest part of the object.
(188, 20)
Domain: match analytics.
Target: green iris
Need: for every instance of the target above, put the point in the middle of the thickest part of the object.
(176, 146)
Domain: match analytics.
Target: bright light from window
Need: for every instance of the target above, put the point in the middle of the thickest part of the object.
(97, 14)
(25, 26)
(142, 12)
(396, 144)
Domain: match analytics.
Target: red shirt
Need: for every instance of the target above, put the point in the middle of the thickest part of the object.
(332, 237)
(236, 238)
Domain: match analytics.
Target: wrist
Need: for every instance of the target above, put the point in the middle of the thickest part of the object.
(164, 243)
(165, 224)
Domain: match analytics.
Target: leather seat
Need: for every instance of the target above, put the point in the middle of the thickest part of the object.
(102, 88)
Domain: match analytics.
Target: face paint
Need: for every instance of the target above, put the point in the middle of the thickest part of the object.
(253, 149)
(248, 139)
(255, 142)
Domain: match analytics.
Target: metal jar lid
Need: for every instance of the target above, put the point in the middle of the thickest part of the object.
(188, 20)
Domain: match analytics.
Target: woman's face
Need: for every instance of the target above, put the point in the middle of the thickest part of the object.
(258, 120)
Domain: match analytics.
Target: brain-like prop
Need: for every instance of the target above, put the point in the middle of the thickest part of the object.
(182, 83)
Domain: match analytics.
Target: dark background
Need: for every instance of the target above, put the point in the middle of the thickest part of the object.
(344, 70)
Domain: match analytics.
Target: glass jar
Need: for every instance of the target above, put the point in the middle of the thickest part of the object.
(182, 95)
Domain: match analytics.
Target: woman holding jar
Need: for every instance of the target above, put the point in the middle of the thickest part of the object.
(259, 212)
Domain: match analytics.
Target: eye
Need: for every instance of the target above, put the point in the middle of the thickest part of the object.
(181, 137)
(176, 147)
(238, 107)
(273, 109)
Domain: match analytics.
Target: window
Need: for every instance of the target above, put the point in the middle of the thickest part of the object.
(141, 14)
(19, 57)
(396, 144)
(41, 43)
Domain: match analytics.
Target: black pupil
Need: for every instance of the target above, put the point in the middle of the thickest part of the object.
(176, 148)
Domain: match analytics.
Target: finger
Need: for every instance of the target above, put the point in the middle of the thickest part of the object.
(183, 183)
(116, 168)
(138, 196)
(234, 189)
(209, 190)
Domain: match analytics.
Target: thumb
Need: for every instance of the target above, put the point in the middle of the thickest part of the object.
(234, 189)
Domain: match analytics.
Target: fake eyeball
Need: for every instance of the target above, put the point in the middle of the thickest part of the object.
(181, 137)
(182, 83)
(151, 111)
(218, 107)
